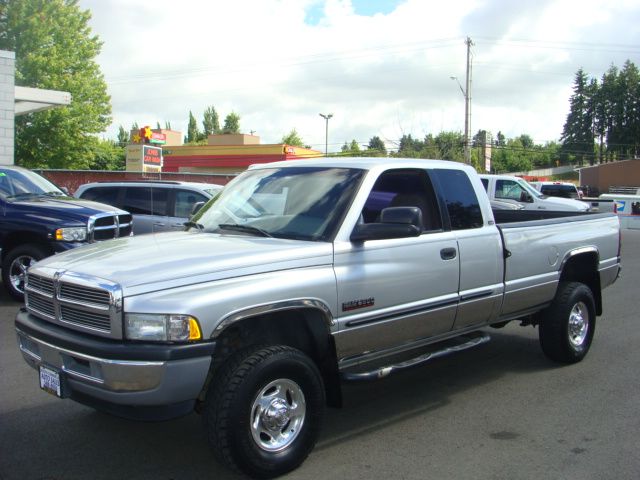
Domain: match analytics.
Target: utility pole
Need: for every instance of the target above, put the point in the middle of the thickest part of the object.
(326, 132)
(467, 105)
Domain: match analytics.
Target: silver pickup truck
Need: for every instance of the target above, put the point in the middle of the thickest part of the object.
(300, 276)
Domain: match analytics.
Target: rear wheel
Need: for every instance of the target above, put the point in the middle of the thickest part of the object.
(15, 265)
(567, 327)
(264, 410)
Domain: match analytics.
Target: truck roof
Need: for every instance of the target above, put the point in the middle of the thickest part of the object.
(365, 163)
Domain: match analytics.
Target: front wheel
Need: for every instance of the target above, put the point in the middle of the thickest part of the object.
(567, 326)
(15, 265)
(264, 410)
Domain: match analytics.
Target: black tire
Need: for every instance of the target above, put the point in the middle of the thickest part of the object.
(14, 267)
(567, 326)
(265, 442)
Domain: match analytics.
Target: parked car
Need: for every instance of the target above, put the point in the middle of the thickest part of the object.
(508, 187)
(157, 206)
(558, 189)
(37, 219)
(300, 276)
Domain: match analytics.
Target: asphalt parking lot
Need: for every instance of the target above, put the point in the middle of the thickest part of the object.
(500, 411)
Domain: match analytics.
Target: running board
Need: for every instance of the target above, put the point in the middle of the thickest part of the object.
(382, 372)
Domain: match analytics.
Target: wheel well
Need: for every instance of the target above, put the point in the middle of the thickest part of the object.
(22, 238)
(304, 329)
(583, 268)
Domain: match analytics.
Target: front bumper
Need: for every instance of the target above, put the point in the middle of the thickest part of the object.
(148, 381)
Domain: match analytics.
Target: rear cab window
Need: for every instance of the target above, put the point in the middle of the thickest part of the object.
(459, 197)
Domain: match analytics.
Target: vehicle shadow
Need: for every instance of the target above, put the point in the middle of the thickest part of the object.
(57, 439)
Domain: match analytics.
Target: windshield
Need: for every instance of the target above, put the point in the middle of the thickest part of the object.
(19, 183)
(526, 186)
(306, 203)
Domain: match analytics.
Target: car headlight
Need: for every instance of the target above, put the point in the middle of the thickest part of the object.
(161, 327)
(71, 234)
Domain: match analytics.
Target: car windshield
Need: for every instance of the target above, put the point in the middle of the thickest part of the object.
(305, 203)
(21, 183)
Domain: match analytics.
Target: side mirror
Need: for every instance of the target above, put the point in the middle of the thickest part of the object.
(196, 207)
(395, 222)
(526, 197)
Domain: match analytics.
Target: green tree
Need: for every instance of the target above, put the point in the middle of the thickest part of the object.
(577, 134)
(376, 147)
(292, 138)
(107, 155)
(193, 135)
(450, 145)
(231, 123)
(211, 121)
(351, 149)
(55, 49)
(123, 137)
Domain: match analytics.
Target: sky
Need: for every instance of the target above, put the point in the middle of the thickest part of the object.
(380, 67)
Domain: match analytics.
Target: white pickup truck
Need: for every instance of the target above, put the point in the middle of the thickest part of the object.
(300, 276)
(508, 187)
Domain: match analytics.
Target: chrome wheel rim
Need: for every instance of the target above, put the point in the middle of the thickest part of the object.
(578, 324)
(277, 415)
(18, 271)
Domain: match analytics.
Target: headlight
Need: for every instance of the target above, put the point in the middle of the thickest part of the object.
(71, 234)
(161, 328)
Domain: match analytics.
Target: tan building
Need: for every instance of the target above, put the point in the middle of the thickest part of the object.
(229, 153)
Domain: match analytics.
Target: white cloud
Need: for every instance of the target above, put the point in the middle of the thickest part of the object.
(382, 74)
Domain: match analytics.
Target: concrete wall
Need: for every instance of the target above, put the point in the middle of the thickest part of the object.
(7, 106)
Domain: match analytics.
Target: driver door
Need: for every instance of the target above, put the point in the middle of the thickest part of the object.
(394, 292)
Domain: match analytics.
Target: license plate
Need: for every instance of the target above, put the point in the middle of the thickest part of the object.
(50, 381)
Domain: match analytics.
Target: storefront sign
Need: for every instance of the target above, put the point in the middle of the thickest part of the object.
(152, 156)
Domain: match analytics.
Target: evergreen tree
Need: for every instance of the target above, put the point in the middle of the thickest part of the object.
(193, 135)
(577, 134)
(123, 136)
(55, 49)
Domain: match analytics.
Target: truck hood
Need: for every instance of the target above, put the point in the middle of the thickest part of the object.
(173, 259)
(61, 208)
(559, 203)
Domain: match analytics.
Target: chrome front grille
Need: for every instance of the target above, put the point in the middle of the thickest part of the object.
(75, 301)
(105, 227)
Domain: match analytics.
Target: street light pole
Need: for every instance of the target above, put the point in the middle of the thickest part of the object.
(326, 132)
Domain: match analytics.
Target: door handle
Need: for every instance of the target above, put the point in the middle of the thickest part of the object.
(448, 253)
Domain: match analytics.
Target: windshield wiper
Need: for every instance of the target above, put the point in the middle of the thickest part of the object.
(244, 228)
(197, 225)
